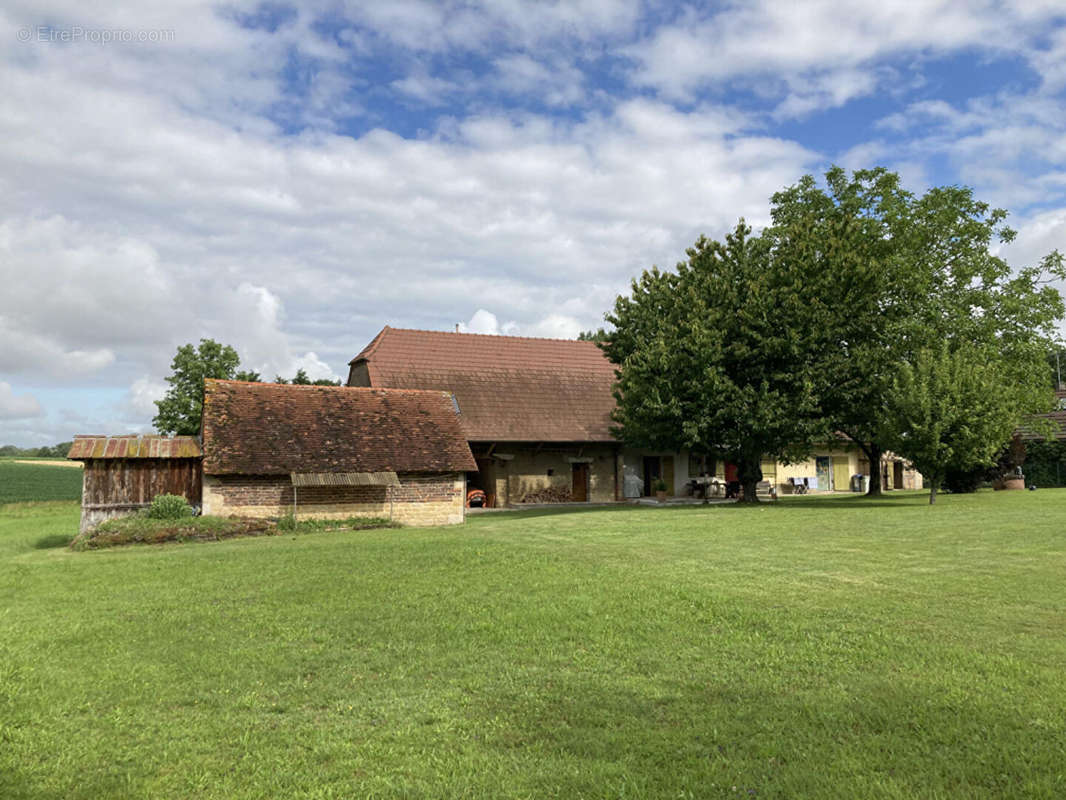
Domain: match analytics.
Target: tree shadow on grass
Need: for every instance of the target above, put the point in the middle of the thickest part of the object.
(52, 541)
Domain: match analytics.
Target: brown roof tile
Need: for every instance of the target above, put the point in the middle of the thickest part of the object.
(1058, 416)
(509, 388)
(276, 429)
(134, 446)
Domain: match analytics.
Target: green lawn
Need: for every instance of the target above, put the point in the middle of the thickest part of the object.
(25, 482)
(818, 648)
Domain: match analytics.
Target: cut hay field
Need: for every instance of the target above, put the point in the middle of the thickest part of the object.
(819, 648)
(39, 479)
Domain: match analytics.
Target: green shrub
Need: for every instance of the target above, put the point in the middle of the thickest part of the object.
(139, 529)
(1045, 463)
(169, 506)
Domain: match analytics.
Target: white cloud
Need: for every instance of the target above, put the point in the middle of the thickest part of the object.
(20, 406)
(150, 196)
(822, 54)
(142, 395)
(553, 326)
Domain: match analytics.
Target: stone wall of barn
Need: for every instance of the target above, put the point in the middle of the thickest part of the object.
(420, 499)
(519, 473)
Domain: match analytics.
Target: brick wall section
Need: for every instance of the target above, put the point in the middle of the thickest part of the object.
(420, 499)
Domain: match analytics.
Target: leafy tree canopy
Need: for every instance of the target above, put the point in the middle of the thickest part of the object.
(889, 275)
(182, 406)
(301, 379)
(598, 335)
(949, 409)
(713, 358)
(841, 315)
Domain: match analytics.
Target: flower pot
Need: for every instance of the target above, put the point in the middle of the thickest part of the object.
(1014, 483)
(660, 496)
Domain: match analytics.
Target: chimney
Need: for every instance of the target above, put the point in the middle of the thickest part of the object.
(457, 327)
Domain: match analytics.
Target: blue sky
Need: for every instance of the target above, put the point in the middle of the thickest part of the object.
(288, 179)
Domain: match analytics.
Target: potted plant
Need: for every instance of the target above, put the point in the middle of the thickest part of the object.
(660, 490)
(1010, 466)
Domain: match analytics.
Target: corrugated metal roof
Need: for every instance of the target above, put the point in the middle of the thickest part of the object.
(135, 446)
(345, 479)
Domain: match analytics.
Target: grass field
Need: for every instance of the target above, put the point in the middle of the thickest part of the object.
(837, 648)
(20, 482)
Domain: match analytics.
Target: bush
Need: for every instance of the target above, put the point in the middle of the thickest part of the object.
(139, 529)
(169, 506)
(1045, 463)
(965, 481)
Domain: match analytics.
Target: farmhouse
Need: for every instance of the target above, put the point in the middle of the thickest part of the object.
(537, 415)
(328, 451)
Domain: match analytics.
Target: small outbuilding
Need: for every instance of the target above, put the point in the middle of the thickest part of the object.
(333, 452)
(123, 473)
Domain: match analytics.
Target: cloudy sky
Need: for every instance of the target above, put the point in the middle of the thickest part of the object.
(288, 180)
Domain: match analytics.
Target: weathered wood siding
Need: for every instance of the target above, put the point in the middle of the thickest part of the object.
(112, 487)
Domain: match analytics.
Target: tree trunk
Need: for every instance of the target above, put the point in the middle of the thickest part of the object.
(873, 453)
(749, 492)
(749, 473)
(932, 494)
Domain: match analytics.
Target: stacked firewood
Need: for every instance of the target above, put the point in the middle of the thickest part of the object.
(550, 494)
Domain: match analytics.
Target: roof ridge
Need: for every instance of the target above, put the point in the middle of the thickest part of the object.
(387, 389)
(485, 335)
(368, 351)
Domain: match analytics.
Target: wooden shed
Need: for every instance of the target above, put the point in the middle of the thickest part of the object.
(123, 473)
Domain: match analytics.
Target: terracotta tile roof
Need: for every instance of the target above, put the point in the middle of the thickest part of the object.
(276, 429)
(509, 388)
(1058, 416)
(134, 446)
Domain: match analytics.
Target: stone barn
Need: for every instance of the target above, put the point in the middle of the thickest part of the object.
(123, 473)
(333, 452)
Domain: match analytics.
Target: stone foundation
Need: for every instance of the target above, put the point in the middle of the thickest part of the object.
(420, 499)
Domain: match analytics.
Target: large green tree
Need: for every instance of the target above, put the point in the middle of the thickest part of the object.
(182, 406)
(949, 409)
(889, 275)
(713, 358)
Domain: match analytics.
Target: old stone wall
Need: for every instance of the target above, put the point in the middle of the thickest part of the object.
(420, 499)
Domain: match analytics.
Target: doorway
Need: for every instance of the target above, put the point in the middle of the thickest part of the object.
(656, 468)
(653, 470)
(579, 491)
(821, 468)
(897, 475)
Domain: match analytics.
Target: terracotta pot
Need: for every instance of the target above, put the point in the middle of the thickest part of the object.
(660, 496)
(1014, 483)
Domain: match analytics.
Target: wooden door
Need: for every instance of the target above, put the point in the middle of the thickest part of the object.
(841, 476)
(668, 474)
(897, 475)
(579, 493)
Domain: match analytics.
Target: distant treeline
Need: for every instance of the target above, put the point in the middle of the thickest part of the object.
(55, 451)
